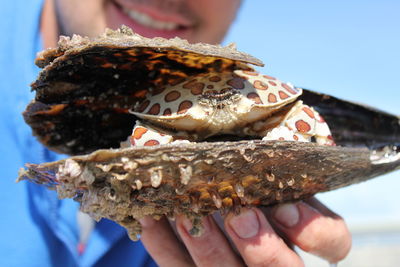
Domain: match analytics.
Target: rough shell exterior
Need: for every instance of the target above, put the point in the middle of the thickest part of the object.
(200, 178)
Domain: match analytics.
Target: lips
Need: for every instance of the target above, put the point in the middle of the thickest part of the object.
(148, 20)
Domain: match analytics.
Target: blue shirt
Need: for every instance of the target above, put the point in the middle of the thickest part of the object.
(38, 229)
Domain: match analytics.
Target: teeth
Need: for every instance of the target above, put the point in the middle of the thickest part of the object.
(148, 21)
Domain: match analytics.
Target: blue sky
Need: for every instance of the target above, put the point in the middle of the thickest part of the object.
(349, 49)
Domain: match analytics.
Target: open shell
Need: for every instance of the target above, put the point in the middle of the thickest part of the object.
(82, 103)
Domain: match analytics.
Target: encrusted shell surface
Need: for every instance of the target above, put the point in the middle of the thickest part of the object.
(200, 178)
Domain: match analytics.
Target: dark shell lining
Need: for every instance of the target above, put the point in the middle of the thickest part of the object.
(86, 89)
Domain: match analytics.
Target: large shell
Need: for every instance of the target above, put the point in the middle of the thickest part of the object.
(82, 103)
(199, 179)
(86, 89)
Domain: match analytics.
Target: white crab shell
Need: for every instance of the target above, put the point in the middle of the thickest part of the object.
(217, 103)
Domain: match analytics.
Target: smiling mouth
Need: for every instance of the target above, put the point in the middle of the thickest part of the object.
(148, 20)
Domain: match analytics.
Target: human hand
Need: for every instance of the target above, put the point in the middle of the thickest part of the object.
(261, 237)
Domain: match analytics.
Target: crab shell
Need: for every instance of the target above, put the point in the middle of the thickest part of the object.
(217, 103)
(84, 96)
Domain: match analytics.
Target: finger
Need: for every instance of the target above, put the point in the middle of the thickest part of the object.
(257, 242)
(314, 228)
(162, 244)
(211, 248)
(315, 203)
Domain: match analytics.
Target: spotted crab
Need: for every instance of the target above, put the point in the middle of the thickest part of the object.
(209, 133)
(242, 103)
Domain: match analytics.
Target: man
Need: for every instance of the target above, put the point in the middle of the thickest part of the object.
(39, 230)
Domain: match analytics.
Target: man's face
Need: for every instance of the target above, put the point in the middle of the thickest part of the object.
(194, 20)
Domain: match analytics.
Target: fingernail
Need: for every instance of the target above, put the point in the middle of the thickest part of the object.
(287, 215)
(187, 224)
(147, 221)
(197, 231)
(245, 224)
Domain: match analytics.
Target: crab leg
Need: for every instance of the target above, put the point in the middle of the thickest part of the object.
(301, 123)
(145, 135)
